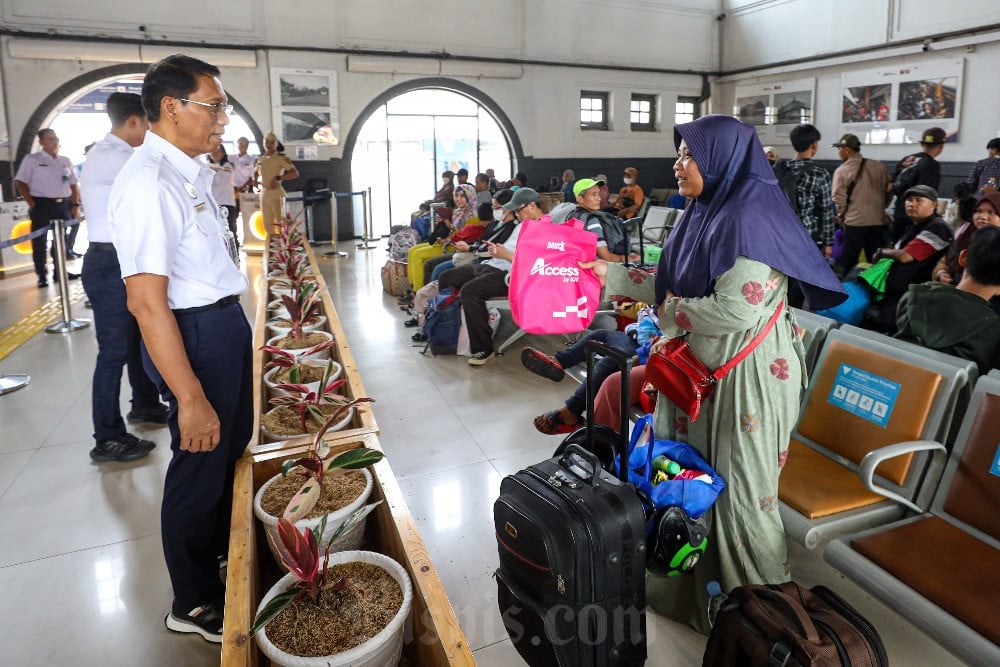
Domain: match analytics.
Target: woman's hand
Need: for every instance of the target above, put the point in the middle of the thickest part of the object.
(598, 266)
(658, 344)
(461, 246)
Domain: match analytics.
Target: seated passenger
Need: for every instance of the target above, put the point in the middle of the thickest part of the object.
(612, 239)
(916, 253)
(630, 196)
(958, 320)
(463, 213)
(605, 192)
(986, 213)
(488, 280)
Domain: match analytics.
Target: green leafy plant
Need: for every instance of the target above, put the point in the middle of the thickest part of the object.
(303, 306)
(299, 551)
(308, 402)
(294, 363)
(318, 463)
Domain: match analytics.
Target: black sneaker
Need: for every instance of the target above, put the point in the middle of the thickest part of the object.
(205, 620)
(42, 282)
(125, 447)
(410, 323)
(480, 358)
(155, 414)
(542, 364)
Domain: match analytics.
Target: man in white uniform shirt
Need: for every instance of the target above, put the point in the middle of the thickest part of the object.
(48, 183)
(183, 288)
(117, 332)
(243, 165)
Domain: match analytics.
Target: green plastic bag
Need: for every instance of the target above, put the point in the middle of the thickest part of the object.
(877, 275)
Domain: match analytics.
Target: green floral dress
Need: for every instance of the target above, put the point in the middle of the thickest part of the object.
(743, 429)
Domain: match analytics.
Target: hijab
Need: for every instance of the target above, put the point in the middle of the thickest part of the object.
(461, 214)
(742, 211)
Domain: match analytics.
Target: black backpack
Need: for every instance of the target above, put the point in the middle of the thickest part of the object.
(615, 234)
(789, 183)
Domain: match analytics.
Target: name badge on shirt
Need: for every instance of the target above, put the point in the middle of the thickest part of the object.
(201, 207)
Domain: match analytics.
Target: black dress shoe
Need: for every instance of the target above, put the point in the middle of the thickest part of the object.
(412, 322)
(72, 276)
(42, 282)
(419, 337)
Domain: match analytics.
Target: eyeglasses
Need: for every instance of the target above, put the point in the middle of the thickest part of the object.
(216, 108)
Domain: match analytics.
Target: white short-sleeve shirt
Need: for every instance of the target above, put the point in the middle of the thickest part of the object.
(242, 168)
(105, 160)
(47, 176)
(165, 221)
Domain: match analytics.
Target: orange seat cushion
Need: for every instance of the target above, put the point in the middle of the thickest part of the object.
(851, 436)
(817, 486)
(946, 565)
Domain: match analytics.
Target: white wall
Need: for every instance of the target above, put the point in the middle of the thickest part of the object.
(542, 103)
(761, 34)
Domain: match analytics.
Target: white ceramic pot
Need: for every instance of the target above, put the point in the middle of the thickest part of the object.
(352, 540)
(339, 426)
(313, 386)
(279, 330)
(298, 354)
(279, 308)
(382, 650)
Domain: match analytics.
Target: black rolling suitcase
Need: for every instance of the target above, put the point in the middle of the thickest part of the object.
(571, 536)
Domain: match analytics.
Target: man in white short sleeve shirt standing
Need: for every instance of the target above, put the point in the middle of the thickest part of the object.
(117, 332)
(176, 256)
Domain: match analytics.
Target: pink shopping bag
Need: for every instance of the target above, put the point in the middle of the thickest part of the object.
(549, 293)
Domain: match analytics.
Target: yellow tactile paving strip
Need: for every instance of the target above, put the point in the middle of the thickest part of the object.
(18, 333)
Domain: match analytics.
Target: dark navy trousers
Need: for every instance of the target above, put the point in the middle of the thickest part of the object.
(198, 489)
(45, 211)
(117, 343)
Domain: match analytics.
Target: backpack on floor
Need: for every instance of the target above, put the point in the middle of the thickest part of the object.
(442, 321)
(400, 244)
(789, 183)
(788, 624)
(394, 280)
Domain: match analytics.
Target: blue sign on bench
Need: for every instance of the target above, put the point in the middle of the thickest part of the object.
(864, 394)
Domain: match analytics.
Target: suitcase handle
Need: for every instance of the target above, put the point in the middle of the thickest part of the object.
(624, 362)
(595, 463)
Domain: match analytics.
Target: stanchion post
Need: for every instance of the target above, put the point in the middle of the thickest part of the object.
(68, 324)
(366, 241)
(333, 231)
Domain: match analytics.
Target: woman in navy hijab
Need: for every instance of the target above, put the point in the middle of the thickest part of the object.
(722, 275)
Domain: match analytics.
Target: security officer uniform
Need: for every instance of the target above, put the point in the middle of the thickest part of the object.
(272, 200)
(50, 180)
(117, 331)
(182, 236)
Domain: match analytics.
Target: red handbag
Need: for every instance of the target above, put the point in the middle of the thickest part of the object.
(679, 375)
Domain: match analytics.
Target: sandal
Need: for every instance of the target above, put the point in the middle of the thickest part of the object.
(542, 364)
(551, 423)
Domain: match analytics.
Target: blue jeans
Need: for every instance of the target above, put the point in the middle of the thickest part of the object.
(441, 268)
(603, 367)
(117, 344)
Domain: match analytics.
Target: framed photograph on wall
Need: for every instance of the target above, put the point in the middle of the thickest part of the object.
(775, 108)
(894, 105)
(304, 106)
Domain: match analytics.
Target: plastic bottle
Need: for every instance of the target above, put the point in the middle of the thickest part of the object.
(665, 465)
(716, 598)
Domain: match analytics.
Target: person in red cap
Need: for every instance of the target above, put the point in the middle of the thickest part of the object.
(916, 169)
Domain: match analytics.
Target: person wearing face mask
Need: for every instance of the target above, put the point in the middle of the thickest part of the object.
(772, 154)
(630, 196)
(722, 279)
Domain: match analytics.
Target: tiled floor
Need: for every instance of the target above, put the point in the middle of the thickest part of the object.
(81, 569)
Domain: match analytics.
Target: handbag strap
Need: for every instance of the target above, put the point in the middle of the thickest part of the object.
(853, 184)
(724, 370)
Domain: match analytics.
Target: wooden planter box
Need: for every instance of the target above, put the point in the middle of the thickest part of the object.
(363, 421)
(434, 638)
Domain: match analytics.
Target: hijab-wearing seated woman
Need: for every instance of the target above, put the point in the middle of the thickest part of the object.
(723, 272)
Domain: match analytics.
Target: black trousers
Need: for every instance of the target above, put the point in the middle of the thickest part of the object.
(478, 283)
(198, 488)
(857, 239)
(45, 211)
